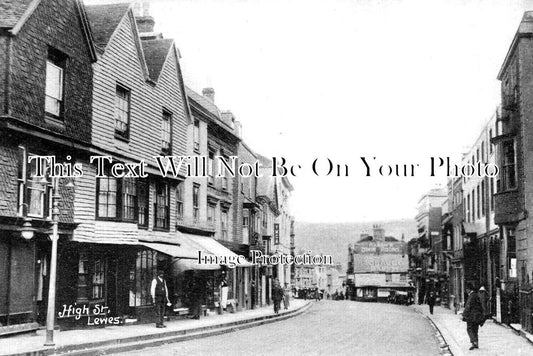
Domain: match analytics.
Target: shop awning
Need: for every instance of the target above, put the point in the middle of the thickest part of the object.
(469, 228)
(210, 246)
(174, 250)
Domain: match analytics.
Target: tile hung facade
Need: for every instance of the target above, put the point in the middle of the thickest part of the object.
(46, 104)
(81, 81)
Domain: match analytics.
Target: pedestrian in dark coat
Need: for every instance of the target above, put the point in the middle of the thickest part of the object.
(474, 315)
(277, 295)
(485, 300)
(430, 300)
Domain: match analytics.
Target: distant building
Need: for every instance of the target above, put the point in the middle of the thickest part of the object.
(379, 264)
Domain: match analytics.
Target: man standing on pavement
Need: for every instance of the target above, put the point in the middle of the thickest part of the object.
(159, 292)
(474, 315)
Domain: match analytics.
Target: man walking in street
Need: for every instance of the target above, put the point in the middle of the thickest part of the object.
(430, 300)
(159, 292)
(277, 295)
(474, 315)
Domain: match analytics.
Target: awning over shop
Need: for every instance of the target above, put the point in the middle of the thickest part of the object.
(469, 228)
(207, 246)
(174, 250)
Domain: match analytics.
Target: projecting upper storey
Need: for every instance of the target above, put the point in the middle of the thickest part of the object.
(139, 104)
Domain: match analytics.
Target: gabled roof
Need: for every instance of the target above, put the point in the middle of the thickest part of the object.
(104, 20)
(11, 11)
(155, 54)
(15, 13)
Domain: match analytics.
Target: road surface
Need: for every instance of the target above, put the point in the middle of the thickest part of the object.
(328, 328)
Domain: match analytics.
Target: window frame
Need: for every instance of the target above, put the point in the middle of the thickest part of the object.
(224, 221)
(118, 198)
(196, 136)
(179, 201)
(143, 186)
(196, 202)
(506, 168)
(58, 60)
(166, 116)
(26, 184)
(119, 134)
(166, 220)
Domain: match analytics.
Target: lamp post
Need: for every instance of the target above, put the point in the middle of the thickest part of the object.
(50, 315)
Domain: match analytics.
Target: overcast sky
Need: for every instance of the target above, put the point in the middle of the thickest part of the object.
(400, 80)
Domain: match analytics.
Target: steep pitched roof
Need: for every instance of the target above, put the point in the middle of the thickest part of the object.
(15, 13)
(11, 11)
(104, 20)
(155, 53)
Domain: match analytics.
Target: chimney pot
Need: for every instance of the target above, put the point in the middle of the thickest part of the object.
(145, 23)
(209, 93)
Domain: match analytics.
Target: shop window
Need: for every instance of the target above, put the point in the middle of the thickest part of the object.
(98, 279)
(83, 273)
(34, 192)
(141, 277)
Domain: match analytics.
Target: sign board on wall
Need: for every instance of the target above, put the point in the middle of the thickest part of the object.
(369, 279)
(387, 257)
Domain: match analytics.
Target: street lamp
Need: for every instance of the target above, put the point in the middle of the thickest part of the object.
(27, 231)
(50, 315)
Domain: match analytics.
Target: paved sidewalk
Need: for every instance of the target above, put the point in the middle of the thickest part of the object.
(77, 339)
(494, 339)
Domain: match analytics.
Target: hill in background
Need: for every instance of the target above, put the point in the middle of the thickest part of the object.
(333, 238)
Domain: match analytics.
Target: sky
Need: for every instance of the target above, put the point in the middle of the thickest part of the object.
(398, 80)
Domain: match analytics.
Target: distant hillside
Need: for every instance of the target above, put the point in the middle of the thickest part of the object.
(333, 239)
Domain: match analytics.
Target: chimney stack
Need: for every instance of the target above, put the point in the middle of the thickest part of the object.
(209, 93)
(145, 22)
(378, 232)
